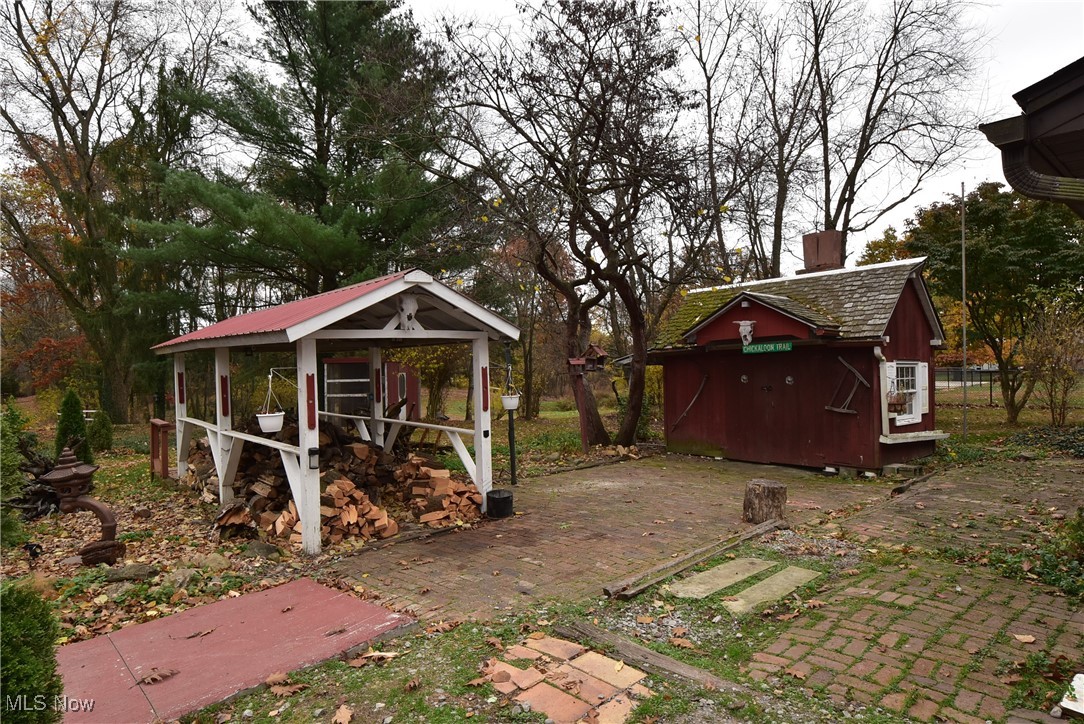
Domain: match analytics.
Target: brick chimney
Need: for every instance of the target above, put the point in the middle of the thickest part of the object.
(822, 251)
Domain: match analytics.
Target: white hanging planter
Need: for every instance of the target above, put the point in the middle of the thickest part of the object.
(510, 402)
(270, 421)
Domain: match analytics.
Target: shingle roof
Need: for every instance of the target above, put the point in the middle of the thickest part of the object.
(859, 302)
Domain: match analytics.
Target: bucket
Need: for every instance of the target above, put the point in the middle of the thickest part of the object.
(499, 503)
(270, 421)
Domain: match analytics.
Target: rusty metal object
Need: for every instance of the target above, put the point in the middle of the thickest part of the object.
(71, 479)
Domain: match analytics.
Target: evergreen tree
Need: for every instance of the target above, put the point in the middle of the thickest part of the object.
(71, 428)
(343, 103)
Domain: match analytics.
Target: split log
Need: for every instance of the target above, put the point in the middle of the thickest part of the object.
(764, 500)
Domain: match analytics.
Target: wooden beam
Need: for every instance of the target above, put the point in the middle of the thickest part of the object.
(631, 587)
(644, 658)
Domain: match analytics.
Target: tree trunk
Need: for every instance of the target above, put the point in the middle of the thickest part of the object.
(764, 500)
(638, 368)
(592, 431)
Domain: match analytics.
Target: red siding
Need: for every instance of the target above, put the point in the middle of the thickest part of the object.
(909, 334)
(765, 419)
(770, 324)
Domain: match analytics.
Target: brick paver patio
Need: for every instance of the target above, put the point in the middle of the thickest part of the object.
(928, 639)
(581, 530)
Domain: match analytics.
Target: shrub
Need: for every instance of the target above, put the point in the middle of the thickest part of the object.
(28, 639)
(12, 531)
(71, 425)
(100, 432)
(12, 425)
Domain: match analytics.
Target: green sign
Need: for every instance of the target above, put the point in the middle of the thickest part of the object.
(767, 347)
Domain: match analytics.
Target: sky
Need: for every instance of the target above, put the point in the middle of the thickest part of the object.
(1027, 40)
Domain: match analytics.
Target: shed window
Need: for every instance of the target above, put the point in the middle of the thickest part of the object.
(908, 391)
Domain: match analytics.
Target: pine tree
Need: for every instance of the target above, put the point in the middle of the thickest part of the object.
(71, 428)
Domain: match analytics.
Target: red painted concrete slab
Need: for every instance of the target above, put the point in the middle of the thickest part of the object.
(250, 637)
(93, 670)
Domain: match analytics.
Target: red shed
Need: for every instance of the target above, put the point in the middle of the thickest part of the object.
(824, 369)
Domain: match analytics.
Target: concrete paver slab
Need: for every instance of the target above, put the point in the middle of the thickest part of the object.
(614, 673)
(222, 648)
(771, 589)
(616, 710)
(702, 585)
(593, 691)
(557, 648)
(562, 708)
(515, 651)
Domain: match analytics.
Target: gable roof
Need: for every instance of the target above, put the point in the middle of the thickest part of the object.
(366, 305)
(856, 302)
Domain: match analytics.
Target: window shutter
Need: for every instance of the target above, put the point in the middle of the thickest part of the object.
(924, 386)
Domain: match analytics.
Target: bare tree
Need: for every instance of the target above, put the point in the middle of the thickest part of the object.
(889, 101)
(781, 77)
(574, 129)
(81, 83)
(1054, 353)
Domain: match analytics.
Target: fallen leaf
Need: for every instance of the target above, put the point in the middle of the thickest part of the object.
(336, 631)
(851, 572)
(1024, 638)
(788, 616)
(287, 609)
(815, 603)
(1012, 679)
(157, 675)
(441, 626)
(680, 631)
(285, 690)
(536, 635)
(920, 506)
(544, 622)
(413, 684)
(800, 675)
(619, 665)
(645, 619)
(358, 662)
(495, 643)
(499, 677)
(681, 643)
(380, 655)
(343, 715)
(276, 679)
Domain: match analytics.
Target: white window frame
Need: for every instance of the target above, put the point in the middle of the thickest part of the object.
(915, 385)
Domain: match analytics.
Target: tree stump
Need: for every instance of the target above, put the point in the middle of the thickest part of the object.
(764, 500)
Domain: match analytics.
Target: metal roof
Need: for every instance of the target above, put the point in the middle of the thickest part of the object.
(858, 302)
(366, 305)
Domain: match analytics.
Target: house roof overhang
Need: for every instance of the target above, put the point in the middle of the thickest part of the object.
(1042, 150)
(367, 311)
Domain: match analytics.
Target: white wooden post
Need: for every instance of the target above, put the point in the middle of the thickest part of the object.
(180, 410)
(483, 440)
(225, 450)
(376, 385)
(307, 491)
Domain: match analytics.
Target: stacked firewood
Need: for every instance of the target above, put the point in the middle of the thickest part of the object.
(434, 497)
(356, 476)
(345, 511)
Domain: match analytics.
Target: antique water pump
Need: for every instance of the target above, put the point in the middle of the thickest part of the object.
(71, 478)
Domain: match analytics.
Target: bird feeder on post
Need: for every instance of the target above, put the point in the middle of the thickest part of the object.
(593, 359)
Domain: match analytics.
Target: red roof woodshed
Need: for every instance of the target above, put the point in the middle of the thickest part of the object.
(282, 317)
